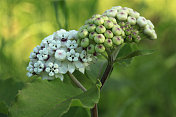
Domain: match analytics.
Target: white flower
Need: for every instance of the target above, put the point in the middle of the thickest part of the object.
(85, 57)
(60, 54)
(29, 74)
(141, 21)
(53, 70)
(37, 49)
(38, 67)
(43, 54)
(33, 55)
(122, 15)
(111, 13)
(46, 41)
(131, 20)
(55, 44)
(30, 67)
(150, 23)
(72, 55)
(134, 13)
(61, 35)
(72, 34)
(71, 44)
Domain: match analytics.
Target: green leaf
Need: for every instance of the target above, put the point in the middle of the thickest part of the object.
(3, 108)
(52, 99)
(136, 53)
(77, 112)
(96, 70)
(8, 90)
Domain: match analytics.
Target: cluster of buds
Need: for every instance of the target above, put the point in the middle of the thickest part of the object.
(131, 20)
(58, 54)
(114, 27)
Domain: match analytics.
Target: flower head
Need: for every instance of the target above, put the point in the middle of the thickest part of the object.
(57, 55)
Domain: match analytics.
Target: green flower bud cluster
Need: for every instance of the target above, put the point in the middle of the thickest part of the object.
(100, 33)
(134, 25)
(118, 25)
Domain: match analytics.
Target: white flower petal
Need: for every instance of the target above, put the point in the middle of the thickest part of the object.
(71, 67)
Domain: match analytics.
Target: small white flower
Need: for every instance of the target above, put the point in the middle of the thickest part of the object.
(134, 13)
(62, 35)
(37, 49)
(131, 20)
(38, 67)
(33, 55)
(60, 55)
(52, 69)
(47, 41)
(29, 74)
(122, 15)
(141, 21)
(72, 55)
(111, 13)
(43, 54)
(85, 57)
(150, 23)
(55, 44)
(30, 67)
(71, 44)
(72, 34)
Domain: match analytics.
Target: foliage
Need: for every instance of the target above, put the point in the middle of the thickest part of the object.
(146, 87)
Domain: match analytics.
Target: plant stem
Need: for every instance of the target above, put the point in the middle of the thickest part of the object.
(94, 111)
(111, 58)
(77, 82)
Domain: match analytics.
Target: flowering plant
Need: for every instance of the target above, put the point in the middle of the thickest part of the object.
(74, 53)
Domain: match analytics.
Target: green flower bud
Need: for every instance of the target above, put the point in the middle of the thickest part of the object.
(108, 24)
(128, 38)
(104, 17)
(108, 34)
(137, 39)
(123, 33)
(84, 42)
(96, 16)
(91, 27)
(99, 21)
(100, 29)
(91, 49)
(92, 35)
(99, 48)
(99, 38)
(117, 40)
(78, 42)
(108, 43)
(113, 20)
(127, 32)
(117, 31)
(122, 24)
(83, 33)
(134, 35)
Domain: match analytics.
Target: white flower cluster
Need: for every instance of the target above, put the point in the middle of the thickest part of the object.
(133, 17)
(58, 54)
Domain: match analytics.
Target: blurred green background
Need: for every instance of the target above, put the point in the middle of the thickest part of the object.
(144, 88)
